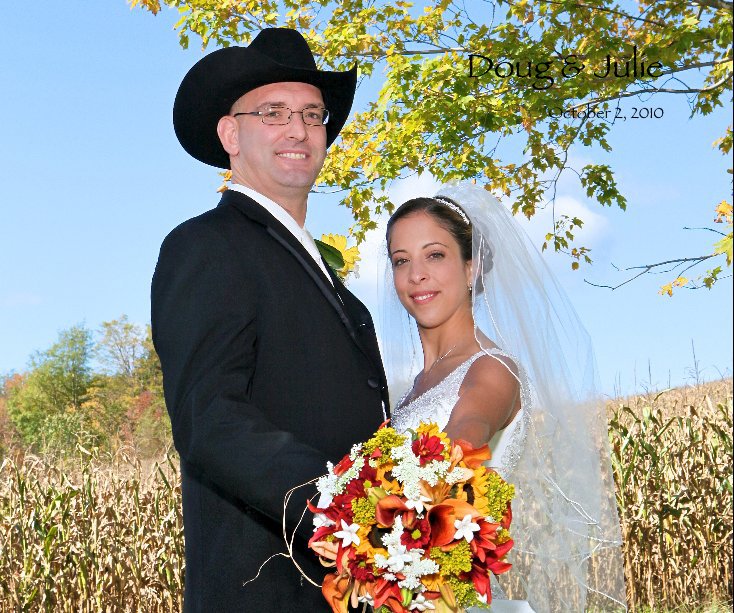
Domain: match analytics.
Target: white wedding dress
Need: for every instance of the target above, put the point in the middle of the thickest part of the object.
(436, 404)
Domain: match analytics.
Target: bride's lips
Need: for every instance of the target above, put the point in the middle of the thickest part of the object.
(423, 297)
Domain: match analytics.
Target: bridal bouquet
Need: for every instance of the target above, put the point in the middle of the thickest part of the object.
(418, 521)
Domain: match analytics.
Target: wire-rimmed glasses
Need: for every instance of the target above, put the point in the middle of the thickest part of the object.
(281, 115)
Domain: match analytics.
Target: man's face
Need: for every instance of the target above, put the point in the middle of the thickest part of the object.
(277, 161)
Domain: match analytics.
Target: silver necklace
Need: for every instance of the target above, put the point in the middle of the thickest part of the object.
(439, 358)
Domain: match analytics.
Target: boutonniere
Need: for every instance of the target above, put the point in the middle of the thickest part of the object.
(340, 258)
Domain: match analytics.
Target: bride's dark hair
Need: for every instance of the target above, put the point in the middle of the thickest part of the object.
(447, 213)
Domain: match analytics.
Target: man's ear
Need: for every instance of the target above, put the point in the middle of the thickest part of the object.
(227, 130)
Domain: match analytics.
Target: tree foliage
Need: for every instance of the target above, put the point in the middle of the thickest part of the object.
(47, 406)
(120, 347)
(501, 129)
(61, 401)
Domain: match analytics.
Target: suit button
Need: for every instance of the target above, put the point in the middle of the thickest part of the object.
(373, 382)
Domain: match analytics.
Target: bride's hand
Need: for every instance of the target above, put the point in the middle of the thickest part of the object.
(326, 550)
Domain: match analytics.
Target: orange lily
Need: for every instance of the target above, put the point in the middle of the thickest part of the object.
(388, 508)
(336, 589)
(442, 518)
(472, 457)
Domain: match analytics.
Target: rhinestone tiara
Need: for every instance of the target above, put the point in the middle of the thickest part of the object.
(453, 207)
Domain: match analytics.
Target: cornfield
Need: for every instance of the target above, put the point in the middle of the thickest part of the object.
(672, 458)
(107, 535)
(100, 536)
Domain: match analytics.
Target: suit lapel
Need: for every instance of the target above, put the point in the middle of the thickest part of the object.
(285, 238)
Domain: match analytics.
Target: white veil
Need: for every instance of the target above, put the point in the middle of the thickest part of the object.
(567, 554)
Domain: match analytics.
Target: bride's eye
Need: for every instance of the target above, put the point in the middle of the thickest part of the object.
(436, 255)
(397, 262)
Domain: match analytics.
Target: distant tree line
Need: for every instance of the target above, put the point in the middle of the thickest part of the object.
(98, 389)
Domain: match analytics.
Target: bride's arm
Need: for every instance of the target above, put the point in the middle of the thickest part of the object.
(488, 400)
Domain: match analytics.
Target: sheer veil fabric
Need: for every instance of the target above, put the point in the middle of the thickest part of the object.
(567, 554)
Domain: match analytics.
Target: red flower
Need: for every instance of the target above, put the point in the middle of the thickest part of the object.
(360, 569)
(355, 488)
(367, 478)
(480, 579)
(342, 505)
(428, 448)
(418, 535)
(494, 558)
(507, 517)
(388, 593)
(343, 466)
(485, 540)
(369, 474)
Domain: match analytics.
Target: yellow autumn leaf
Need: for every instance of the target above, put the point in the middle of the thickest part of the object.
(226, 178)
(723, 212)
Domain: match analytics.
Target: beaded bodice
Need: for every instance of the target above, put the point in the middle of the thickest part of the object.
(437, 403)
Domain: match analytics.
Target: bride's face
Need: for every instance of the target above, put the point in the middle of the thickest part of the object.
(431, 279)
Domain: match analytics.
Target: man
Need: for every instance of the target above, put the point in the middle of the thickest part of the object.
(270, 365)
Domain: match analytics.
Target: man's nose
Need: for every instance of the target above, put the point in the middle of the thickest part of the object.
(296, 128)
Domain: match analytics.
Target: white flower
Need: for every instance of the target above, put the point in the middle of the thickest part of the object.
(410, 564)
(465, 528)
(421, 604)
(459, 473)
(399, 556)
(418, 503)
(348, 534)
(320, 520)
(417, 568)
(392, 539)
(366, 598)
(482, 598)
(324, 501)
(351, 473)
(326, 484)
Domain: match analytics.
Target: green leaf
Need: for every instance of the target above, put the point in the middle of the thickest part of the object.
(331, 254)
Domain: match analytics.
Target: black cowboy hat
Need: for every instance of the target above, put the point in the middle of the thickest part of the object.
(216, 81)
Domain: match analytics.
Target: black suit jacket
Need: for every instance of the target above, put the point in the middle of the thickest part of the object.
(269, 371)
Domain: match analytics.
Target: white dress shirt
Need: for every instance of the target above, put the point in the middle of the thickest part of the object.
(302, 235)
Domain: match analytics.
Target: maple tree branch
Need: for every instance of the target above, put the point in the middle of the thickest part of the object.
(649, 268)
(653, 90)
(709, 229)
(694, 66)
(603, 9)
(715, 4)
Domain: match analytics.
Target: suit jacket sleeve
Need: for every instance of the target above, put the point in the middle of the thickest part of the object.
(204, 329)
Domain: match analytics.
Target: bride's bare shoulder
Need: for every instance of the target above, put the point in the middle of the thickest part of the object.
(492, 376)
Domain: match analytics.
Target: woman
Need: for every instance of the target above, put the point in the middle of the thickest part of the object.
(506, 362)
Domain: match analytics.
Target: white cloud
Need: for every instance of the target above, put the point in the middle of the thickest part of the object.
(413, 187)
(20, 299)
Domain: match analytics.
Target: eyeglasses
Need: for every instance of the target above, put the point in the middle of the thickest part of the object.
(281, 115)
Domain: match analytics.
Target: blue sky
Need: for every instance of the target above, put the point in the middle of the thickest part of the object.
(92, 178)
